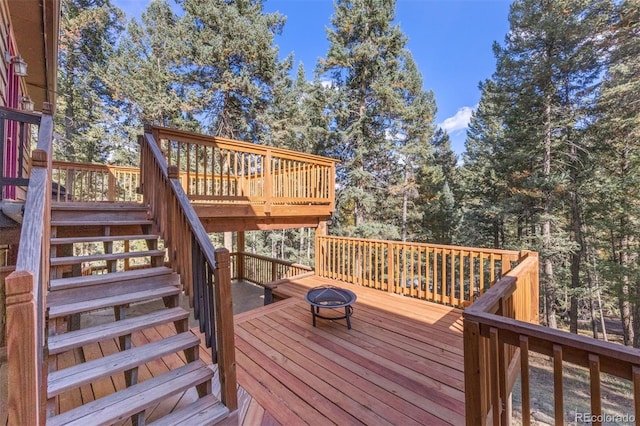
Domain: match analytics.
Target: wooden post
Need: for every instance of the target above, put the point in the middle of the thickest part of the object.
(473, 390)
(240, 255)
(226, 335)
(268, 185)
(111, 189)
(24, 361)
(390, 273)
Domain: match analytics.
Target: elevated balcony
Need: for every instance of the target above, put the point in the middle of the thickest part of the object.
(232, 185)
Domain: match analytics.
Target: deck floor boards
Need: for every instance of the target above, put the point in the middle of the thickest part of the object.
(401, 363)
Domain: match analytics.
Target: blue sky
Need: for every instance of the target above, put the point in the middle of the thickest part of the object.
(450, 41)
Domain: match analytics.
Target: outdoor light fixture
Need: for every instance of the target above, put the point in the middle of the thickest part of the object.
(27, 103)
(19, 65)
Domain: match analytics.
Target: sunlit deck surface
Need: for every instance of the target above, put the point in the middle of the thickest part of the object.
(401, 363)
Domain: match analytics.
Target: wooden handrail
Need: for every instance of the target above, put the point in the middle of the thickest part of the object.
(193, 256)
(26, 291)
(500, 333)
(439, 273)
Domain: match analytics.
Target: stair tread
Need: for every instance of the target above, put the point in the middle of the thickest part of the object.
(75, 339)
(62, 309)
(68, 260)
(101, 238)
(110, 222)
(123, 404)
(94, 206)
(206, 411)
(87, 372)
(89, 280)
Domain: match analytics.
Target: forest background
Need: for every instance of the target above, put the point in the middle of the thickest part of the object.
(551, 161)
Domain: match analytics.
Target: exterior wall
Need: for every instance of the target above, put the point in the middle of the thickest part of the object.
(12, 89)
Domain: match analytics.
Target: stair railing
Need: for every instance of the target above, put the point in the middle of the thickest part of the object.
(26, 290)
(204, 271)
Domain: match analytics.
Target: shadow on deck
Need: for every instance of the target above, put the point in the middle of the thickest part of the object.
(402, 362)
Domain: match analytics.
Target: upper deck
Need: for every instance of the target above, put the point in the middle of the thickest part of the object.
(232, 185)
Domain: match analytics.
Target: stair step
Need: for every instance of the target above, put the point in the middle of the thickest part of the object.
(101, 238)
(89, 280)
(63, 309)
(87, 372)
(79, 338)
(101, 222)
(101, 207)
(125, 403)
(73, 260)
(206, 411)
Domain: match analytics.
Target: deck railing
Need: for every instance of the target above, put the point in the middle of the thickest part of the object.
(500, 334)
(262, 269)
(204, 271)
(216, 169)
(83, 182)
(15, 148)
(438, 273)
(26, 290)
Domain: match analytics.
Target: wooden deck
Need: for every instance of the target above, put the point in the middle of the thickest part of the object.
(401, 363)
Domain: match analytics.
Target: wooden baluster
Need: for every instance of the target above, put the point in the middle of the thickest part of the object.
(558, 396)
(594, 381)
(635, 374)
(525, 386)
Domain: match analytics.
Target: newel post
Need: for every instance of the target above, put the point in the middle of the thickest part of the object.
(224, 324)
(474, 367)
(23, 358)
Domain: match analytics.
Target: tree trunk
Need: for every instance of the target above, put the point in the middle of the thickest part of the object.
(547, 277)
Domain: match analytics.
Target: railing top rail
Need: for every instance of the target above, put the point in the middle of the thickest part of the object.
(194, 222)
(278, 261)
(183, 136)
(29, 256)
(105, 167)
(544, 337)
(30, 117)
(439, 246)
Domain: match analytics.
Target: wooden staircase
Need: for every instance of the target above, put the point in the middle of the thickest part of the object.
(109, 256)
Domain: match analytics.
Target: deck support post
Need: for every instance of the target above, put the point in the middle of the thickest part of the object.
(240, 255)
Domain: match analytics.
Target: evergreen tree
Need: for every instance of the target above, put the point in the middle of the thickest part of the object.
(88, 31)
(615, 195)
(235, 64)
(148, 72)
(368, 69)
(547, 73)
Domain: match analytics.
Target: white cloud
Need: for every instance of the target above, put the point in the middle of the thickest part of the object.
(460, 121)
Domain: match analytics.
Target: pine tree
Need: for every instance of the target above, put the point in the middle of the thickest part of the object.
(368, 66)
(615, 193)
(88, 31)
(546, 74)
(235, 64)
(148, 71)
